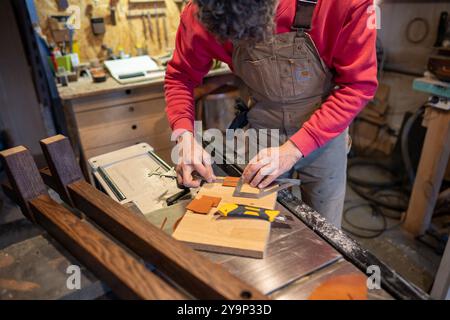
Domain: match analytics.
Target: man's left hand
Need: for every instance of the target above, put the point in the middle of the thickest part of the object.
(271, 163)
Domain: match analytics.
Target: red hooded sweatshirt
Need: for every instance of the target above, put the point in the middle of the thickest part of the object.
(345, 38)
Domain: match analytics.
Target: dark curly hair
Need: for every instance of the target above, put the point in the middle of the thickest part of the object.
(238, 20)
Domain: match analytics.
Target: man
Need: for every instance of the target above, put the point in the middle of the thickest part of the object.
(310, 67)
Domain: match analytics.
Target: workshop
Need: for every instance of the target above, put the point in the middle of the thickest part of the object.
(177, 150)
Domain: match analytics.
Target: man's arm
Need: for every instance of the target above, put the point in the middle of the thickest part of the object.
(191, 62)
(355, 64)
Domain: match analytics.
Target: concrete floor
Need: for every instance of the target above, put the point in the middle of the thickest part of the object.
(415, 261)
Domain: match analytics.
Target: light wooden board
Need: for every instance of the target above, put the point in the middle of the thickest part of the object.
(236, 236)
(226, 193)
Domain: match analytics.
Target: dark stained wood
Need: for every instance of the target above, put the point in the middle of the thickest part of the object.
(196, 274)
(126, 276)
(9, 192)
(23, 176)
(48, 179)
(61, 162)
(287, 259)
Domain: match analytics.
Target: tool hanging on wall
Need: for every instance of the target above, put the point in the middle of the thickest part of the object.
(113, 11)
(158, 34)
(150, 28)
(97, 23)
(145, 30)
(166, 34)
(62, 5)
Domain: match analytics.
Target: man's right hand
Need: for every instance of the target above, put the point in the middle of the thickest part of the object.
(193, 158)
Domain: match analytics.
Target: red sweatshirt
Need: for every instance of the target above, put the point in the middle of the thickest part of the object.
(345, 43)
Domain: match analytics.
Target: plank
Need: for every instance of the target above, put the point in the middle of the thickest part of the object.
(236, 236)
(226, 193)
(68, 165)
(432, 165)
(123, 273)
(23, 176)
(196, 274)
(287, 260)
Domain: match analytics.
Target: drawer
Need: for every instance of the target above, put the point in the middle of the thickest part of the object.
(118, 97)
(94, 137)
(120, 113)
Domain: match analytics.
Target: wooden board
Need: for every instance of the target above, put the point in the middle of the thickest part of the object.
(226, 193)
(243, 237)
(430, 173)
(237, 236)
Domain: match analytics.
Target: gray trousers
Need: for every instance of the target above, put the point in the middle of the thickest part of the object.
(323, 176)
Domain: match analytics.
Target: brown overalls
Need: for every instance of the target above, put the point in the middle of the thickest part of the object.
(288, 81)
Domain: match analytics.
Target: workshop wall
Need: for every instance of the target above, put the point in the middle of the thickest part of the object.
(403, 56)
(396, 20)
(128, 33)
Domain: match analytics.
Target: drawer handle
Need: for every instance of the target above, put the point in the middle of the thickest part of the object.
(131, 109)
(134, 127)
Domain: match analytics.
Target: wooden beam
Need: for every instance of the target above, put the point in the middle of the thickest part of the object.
(65, 162)
(9, 192)
(23, 176)
(195, 273)
(48, 179)
(430, 173)
(123, 273)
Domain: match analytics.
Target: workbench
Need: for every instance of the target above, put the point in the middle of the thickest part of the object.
(297, 262)
(106, 116)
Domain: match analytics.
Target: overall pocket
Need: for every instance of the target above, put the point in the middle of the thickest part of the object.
(262, 77)
(309, 80)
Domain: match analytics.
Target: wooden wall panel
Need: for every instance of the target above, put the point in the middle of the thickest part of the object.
(126, 34)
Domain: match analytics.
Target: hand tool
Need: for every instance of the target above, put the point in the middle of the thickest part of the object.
(166, 35)
(144, 26)
(158, 35)
(284, 183)
(172, 175)
(240, 211)
(150, 28)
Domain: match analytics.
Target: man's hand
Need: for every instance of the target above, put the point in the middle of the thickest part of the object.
(271, 163)
(193, 158)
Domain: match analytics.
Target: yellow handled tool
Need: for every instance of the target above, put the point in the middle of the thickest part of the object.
(235, 210)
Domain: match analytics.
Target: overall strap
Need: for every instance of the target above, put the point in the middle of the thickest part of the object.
(304, 14)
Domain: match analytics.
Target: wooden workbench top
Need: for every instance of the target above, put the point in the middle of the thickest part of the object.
(85, 87)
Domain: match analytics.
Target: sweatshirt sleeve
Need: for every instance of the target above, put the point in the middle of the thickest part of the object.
(355, 66)
(190, 63)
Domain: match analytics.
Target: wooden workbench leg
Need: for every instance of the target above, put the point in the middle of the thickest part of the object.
(123, 273)
(195, 273)
(431, 170)
(23, 176)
